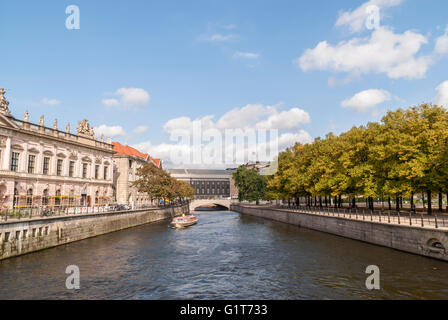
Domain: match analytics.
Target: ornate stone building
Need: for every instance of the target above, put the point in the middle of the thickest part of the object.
(126, 162)
(41, 166)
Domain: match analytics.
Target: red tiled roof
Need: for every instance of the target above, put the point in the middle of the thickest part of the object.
(128, 151)
(156, 162)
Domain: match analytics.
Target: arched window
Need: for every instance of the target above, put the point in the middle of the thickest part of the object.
(29, 198)
(45, 198)
(57, 199)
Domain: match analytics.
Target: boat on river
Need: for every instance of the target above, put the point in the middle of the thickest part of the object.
(184, 221)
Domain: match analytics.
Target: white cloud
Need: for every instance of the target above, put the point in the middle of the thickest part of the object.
(366, 100)
(248, 118)
(217, 37)
(442, 43)
(128, 97)
(356, 19)
(245, 117)
(442, 94)
(285, 120)
(110, 131)
(140, 129)
(246, 55)
(287, 140)
(50, 102)
(383, 52)
(111, 102)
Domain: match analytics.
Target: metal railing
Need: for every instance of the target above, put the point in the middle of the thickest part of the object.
(41, 212)
(397, 218)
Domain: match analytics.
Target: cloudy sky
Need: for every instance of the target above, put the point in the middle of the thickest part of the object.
(138, 70)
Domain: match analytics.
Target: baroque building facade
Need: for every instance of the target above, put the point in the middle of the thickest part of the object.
(126, 162)
(46, 167)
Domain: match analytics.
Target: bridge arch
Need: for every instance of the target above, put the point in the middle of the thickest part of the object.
(203, 203)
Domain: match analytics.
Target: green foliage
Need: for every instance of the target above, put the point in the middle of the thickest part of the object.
(251, 185)
(159, 184)
(406, 152)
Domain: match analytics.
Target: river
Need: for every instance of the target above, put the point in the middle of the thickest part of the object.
(225, 256)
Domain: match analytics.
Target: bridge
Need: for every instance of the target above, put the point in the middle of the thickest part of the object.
(211, 187)
(197, 203)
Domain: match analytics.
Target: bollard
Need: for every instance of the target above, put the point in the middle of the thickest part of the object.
(399, 222)
(410, 218)
(421, 216)
(380, 215)
(371, 216)
(388, 217)
(435, 220)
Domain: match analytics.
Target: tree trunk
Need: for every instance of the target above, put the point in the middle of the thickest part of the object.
(340, 201)
(397, 203)
(440, 202)
(412, 201)
(320, 202)
(354, 202)
(389, 203)
(429, 203)
(289, 203)
(326, 201)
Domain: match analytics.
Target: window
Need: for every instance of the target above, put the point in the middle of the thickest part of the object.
(29, 198)
(45, 198)
(15, 161)
(106, 168)
(71, 198)
(97, 170)
(59, 167)
(71, 169)
(57, 199)
(84, 170)
(31, 161)
(46, 167)
(96, 197)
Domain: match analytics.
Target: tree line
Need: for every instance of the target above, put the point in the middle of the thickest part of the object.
(404, 154)
(159, 185)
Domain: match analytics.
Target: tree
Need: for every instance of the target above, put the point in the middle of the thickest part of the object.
(251, 185)
(406, 152)
(159, 184)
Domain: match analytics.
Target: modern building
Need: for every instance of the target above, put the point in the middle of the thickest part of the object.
(42, 166)
(126, 162)
(208, 184)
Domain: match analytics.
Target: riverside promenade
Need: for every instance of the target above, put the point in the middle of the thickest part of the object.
(22, 235)
(414, 233)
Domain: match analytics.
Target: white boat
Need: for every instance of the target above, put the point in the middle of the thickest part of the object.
(184, 221)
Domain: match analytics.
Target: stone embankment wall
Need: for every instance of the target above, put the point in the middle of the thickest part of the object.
(429, 242)
(26, 236)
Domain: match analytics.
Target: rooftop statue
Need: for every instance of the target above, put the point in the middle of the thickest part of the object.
(4, 103)
(84, 129)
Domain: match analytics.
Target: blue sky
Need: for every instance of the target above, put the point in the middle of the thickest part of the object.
(179, 61)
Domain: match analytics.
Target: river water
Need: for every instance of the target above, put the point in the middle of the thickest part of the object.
(225, 256)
